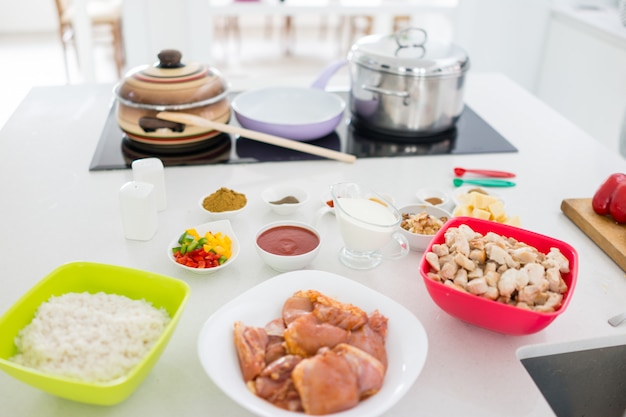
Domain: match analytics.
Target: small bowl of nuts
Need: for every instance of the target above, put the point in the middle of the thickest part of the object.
(421, 222)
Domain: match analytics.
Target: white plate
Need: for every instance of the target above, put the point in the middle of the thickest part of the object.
(407, 343)
(223, 226)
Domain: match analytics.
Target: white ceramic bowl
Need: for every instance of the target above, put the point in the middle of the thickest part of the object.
(406, 350)
(434, 197)
(278, 192)
(286, 262)
(419, 242)
(220, 215)
(222, 226)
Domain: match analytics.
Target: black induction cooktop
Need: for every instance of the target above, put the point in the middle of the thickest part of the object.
(470, 135)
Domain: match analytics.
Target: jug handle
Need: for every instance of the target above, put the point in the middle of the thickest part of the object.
(397, 247)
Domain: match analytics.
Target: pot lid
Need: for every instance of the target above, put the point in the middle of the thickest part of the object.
(170, 84)
(409, 52)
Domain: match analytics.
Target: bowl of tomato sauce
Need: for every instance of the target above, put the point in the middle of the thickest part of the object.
(287, 245)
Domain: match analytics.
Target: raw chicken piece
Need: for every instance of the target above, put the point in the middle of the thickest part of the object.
(275, 384)
(250, 343)
(378, 323)
(346, 319)
(306, 335)
(329, 310)
(326, 383)
(275, 327)
(371, 337)
(296, 306)
(275, 341)
(369, 371)
(275, 348)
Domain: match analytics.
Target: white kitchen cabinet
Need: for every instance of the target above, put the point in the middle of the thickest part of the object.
(583, 70)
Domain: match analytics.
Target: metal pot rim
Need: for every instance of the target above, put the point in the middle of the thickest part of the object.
(419, 57)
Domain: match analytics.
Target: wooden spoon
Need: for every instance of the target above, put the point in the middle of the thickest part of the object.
(192, 119)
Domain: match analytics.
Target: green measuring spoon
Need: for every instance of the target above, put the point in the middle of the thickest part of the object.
(484, 182)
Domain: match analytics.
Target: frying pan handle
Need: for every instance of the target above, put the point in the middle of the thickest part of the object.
(322, 79)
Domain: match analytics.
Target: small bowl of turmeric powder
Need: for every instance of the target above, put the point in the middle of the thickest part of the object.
(224, 203)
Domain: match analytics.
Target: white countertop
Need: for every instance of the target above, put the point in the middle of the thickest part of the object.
(55, 211)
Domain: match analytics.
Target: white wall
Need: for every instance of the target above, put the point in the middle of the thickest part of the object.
(27, 16)
(504, 36)
(583, 76)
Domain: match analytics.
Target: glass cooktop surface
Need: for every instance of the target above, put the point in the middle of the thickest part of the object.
(470, 135)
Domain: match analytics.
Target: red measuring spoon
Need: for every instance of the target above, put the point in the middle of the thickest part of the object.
(459, 172)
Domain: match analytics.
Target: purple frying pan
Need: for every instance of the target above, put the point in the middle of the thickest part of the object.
(298, 113)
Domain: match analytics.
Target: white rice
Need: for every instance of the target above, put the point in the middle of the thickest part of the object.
(91, 337)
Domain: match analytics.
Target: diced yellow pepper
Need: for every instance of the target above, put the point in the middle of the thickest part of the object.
(218, 243)
(194, 233)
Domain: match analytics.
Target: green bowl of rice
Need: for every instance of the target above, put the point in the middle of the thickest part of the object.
(91, 332)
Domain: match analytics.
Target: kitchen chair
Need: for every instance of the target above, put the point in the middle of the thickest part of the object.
(106, 20)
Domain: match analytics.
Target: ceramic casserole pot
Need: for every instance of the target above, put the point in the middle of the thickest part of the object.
(170, 85)
(405, 84)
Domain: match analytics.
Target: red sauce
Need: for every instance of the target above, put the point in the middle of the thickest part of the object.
(288, 240)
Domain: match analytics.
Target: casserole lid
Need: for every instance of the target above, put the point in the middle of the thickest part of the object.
(409, 52)
(170, 84)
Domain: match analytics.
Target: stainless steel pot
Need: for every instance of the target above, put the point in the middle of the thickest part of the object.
(405, 84)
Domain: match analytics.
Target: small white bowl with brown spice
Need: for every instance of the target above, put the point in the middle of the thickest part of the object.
(285, 199)
(224, 203)
(434, 197)
(421, 222)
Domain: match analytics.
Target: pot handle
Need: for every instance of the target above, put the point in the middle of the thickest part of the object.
(383, 91)
(322, 79)
(152, 124)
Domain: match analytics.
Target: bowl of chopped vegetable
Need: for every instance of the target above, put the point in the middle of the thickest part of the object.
(205, 248)
(421, 222)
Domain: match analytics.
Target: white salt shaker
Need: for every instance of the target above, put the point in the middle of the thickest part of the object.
(139, 210)
(151, 170)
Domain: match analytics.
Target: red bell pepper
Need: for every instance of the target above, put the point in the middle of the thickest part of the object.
(610, 198)
(617, 208)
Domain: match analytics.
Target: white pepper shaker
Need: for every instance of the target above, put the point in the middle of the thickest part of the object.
(151, 170)
(138, 209)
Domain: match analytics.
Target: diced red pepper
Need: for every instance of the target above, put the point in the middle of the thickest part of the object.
(198, 258)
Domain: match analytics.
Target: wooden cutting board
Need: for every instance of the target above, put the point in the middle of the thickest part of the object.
(608, 235)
